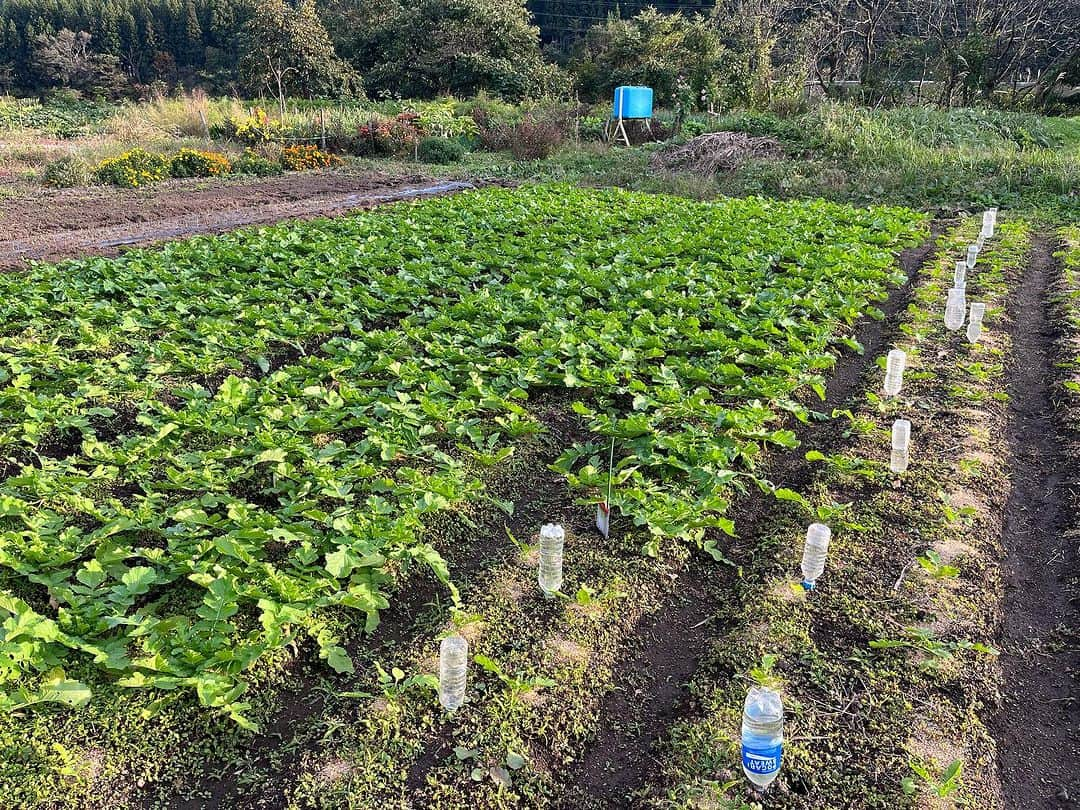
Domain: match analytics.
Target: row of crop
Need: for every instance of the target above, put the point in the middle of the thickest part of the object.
(157, 495)
(1068, 300)
(138, 167)
(890, 654)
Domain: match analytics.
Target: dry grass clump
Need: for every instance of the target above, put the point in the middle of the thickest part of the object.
(713, 152)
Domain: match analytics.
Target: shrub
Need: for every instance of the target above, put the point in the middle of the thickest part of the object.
(302, 157)
(132, 169)
(67, 172)
(257, 165)
(440, 150)
(251, 129)
(194, 163)
(533, 139)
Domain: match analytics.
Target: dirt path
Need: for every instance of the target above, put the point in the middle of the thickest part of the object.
(101, 222)
(1038, 727)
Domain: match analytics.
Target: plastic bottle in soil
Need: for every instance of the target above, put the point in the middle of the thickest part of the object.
(814, 552)
(894, 372)
(762, 736)
(453, 671)
(960, 275)
(552, 538)
(954, 309)
(901, 435)
(989, 221)
(975, 322)
(972, 255)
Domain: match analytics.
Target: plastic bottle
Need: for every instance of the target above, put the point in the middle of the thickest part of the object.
(954, 309)
(453, 671)
(814, 552)
(552, 538)
(989, 221)
(901, 435)
(762, 736)
(972, 255)
(975, 319)
(894, 372)
(603, 518)
(960, 275)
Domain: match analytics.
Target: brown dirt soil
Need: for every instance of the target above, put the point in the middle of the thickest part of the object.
(1038, 726)
(102, 221)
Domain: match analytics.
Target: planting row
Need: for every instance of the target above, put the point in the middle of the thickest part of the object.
(214, 450)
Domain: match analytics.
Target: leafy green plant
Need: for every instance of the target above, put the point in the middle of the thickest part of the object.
(925, 641)
(942, 787)
(931, 563)
(440, 150)
(515, 686)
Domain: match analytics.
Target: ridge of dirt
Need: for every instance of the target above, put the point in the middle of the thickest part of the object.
(620, 761)
(1038, 723)
(102, 222)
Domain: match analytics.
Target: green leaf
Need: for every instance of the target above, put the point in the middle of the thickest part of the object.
(339, 660)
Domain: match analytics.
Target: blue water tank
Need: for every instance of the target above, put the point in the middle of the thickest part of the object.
(632, 102)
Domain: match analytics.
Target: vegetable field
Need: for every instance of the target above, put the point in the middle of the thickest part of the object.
(249, 482)
(231, 451)
(212, 447)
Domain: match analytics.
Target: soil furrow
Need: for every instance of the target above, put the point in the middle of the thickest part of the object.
(1038, 725)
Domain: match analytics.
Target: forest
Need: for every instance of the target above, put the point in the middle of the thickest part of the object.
(696, 53)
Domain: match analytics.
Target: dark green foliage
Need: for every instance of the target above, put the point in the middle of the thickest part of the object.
(256, 165)
(437, 47)
(440, 150)
(287, 51)
(677, 56)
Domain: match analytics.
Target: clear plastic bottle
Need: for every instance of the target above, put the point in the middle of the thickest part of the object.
(894, 372)
(815, 550)
(453, 671)
(901, 436)
(975, 322)
(960, 275)
(550, 577)
(954, 309)
(972, 255)
(762, 736)
(989, 221)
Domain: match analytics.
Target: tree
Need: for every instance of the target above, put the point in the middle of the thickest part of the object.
(678, 56)
(65, 60)
(289, 50)
(425, 48)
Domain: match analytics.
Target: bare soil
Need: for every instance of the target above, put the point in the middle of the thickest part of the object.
(102, 221)
(1038, 726)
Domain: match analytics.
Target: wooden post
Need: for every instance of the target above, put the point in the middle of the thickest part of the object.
(322, 126)
(205, 126)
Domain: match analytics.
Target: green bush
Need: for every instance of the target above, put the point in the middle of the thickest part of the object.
(67, 172)
(132, 169)
(254, 164)
(196, 163)
(440, 150)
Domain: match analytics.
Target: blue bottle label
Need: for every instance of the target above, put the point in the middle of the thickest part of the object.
(762, 760)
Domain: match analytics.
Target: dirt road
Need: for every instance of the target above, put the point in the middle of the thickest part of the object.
(102, 221)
